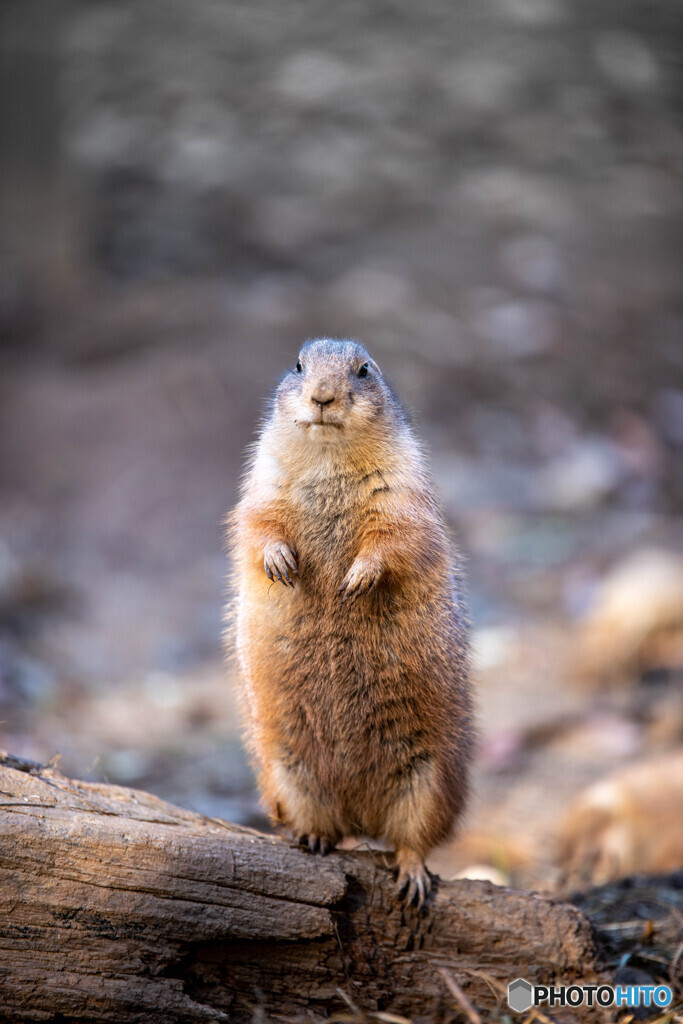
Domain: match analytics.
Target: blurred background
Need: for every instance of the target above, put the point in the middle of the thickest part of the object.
(489, 195)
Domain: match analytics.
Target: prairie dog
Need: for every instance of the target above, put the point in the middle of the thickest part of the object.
(351, 633)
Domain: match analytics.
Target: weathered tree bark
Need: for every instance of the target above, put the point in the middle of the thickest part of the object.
(116, 906)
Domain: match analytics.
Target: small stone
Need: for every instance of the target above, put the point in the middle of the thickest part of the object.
(626, 61)
(372, 292)
(481, 84)
(588, 470)
(518, 328)
(631, 192)
(199, 161)
(511, 197)
(534, 12)
(103, 138)
(286, 221)
(312, 77)
(332, 162)
(274, 299)
(554, 430)
(534, 262)
(442, 336)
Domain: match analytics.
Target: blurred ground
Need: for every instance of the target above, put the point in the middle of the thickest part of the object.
(491, 199)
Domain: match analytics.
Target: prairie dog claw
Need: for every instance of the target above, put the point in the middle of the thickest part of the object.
(279, 562)
(413, 882)
(360, 579)
(316, 843)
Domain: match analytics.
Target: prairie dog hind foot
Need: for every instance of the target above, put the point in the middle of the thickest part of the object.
(315, 843)
(413, 883)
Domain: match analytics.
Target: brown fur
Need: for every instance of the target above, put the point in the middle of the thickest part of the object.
(353, 657)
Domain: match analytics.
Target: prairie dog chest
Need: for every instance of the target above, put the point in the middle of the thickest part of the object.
(330, 513)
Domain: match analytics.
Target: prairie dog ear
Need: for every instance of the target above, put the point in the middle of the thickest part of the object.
(374, 366)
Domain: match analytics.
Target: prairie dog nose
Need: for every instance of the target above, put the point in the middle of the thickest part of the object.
(322, 395)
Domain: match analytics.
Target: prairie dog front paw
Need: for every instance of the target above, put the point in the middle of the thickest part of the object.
(361, 578)
(279, 562)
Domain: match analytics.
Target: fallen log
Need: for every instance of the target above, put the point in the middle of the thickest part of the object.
(116, 906)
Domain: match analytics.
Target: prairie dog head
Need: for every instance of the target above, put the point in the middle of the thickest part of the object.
(333, 395)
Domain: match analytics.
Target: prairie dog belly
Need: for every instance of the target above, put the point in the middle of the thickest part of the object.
(356, 718)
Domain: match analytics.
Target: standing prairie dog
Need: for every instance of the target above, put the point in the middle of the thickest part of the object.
(350, 627)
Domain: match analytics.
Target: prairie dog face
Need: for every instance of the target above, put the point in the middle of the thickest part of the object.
(332, 395)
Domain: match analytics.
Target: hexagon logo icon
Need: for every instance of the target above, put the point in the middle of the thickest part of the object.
(519, 995)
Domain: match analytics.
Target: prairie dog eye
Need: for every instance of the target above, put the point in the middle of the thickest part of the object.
(363, 372)
(298, 366)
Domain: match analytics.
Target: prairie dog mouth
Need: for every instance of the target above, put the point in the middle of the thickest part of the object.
(330, 424)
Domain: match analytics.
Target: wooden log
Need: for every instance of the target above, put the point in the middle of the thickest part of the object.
(116, 906)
